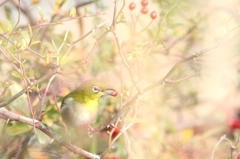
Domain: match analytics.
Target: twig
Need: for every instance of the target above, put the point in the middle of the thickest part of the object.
(54, 23)
(18, 19)
(181, 79)
(9, 100)
(114, 14)
(45, 93)
(7, 84)
(145, 27)
(79, 39)
(2, 3)
(126, 63)
(218, 143)
(119, 13)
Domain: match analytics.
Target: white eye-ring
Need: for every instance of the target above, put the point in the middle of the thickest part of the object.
(95, 89)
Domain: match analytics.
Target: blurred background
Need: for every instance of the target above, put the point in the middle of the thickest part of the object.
(179, 120)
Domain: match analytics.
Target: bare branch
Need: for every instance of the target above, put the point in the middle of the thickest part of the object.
(181, 79)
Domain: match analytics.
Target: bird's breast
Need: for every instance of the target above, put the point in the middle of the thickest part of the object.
(77, 114)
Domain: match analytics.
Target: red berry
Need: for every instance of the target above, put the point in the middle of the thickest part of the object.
(132, 6)
(153, 14)
(144, 2)
(144, 10)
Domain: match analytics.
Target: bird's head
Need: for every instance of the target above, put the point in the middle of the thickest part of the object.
(94, 89)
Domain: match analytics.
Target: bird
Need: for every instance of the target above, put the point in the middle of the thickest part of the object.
(80, 107)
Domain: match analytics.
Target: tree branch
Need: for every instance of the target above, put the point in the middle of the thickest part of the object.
(9, 100)
(14, 117)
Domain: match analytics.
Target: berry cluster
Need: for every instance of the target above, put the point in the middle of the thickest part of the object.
(144, 9)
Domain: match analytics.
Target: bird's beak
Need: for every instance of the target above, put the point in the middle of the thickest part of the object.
(110, 91)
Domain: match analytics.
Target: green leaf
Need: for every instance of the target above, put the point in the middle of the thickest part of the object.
(3, 26)
(17, 130)
(23, 44)
(8, 13)
(16, 74)
(35, 42)
(73, 12)
(18, 45)
(85, 11)
(42, 138)
(122, 16)
(20, 104)
(26, 36)
(9, 28)
(41, 13)
(30, 29)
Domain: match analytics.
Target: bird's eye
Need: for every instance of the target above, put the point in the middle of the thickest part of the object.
(95, 89)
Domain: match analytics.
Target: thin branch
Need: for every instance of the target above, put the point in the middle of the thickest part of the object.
(181, 79)
(7, 84)
(91, 31)
(145, 27)
(78, 5)
(126, 63)
(54, 23)
(18, 20)
(9, 100)
(25, 12)
(2, 3)
(114, 14)
(83, 4)
(29, 49)
(35, 53)
(119, 13)
(218, 143)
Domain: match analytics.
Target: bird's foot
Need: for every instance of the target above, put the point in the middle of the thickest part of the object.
(90, 129)
(111, 126)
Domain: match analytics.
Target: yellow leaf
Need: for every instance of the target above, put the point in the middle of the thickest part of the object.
(63, 60)
(187, 134)
(35, 102)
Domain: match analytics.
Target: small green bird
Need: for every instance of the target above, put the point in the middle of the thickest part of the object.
(80, 107)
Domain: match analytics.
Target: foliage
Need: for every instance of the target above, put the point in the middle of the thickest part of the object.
(53, 46)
